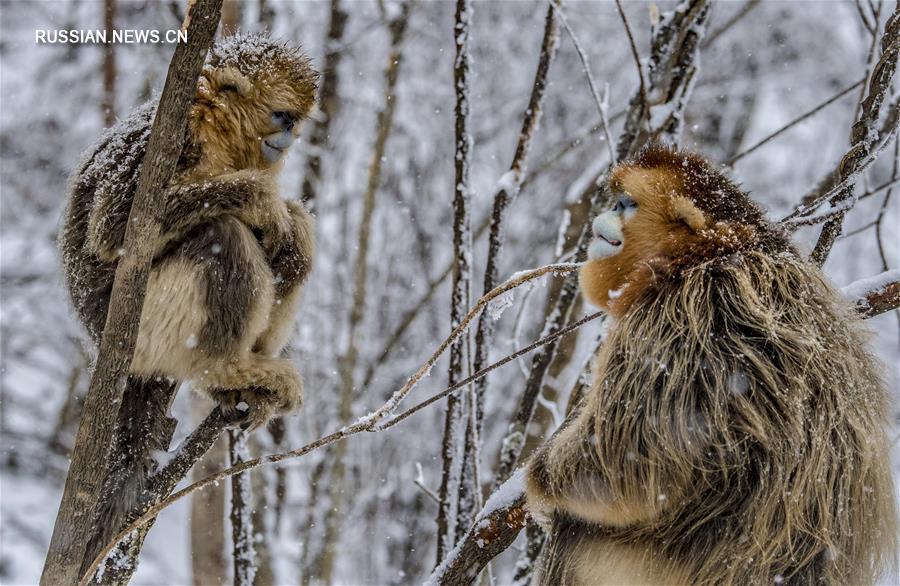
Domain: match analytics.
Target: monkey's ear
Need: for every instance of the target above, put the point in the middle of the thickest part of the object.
(685, 211)
(228, 80)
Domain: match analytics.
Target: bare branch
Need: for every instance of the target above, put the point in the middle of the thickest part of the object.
(602, 103)
(634, 51)
(794, 122)
(243, 554)
(453, 457)
(863, 133)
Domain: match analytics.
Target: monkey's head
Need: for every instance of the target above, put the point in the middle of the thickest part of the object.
(252, 95)
(674, 211)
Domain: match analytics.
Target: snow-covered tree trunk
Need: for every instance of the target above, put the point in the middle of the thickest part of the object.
(458, 436)
(75, 522)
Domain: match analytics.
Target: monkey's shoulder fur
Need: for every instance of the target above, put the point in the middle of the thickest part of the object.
(735, 432)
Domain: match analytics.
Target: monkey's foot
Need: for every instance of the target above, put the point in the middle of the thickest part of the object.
(247, 408)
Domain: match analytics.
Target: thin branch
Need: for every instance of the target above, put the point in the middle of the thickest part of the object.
(839, 199)
(368, 422)
(481, 373)
(243, 553)
(452, 457)
(795, 122)
(746, 9)
(602, 105)
(634, 52)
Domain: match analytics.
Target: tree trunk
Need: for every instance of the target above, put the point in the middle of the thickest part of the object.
(75, 521)
(208, 560)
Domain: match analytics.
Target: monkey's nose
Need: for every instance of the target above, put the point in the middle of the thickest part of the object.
(283, 120)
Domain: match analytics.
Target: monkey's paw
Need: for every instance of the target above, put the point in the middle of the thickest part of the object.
(539, 503)
(278, 226)
(247, 408)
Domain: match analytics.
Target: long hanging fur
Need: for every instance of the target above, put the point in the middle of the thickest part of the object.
(747, 384)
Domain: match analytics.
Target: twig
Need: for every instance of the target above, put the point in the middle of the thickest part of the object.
(740, 14)
(634, 52)
(863, 137)
(794, 122)
(839, 198)
(601, 103)
(481, 373)
(369, 422)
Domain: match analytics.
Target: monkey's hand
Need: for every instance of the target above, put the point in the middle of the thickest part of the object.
(292, 263)
(250, 196)
(540, 503)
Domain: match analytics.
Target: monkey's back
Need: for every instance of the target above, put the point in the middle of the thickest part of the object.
(108, 170)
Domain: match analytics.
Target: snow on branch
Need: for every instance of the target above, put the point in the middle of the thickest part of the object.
(494, 530)
(875, 295)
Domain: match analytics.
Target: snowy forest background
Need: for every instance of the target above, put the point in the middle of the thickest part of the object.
(363, 511)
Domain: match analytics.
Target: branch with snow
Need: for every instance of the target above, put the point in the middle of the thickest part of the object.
(865, 137)
(494, 530)
(875, 295)
(456, 490)
(243, 554)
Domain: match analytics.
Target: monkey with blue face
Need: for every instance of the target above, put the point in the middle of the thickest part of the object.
(232, 255)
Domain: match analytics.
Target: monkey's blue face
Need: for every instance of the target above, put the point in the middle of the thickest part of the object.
(607, 227)
(275, 145)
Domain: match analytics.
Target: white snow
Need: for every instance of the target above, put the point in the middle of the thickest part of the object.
(857, 290)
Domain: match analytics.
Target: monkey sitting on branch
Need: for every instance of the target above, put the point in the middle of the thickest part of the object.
(735, 432)
(232, 255)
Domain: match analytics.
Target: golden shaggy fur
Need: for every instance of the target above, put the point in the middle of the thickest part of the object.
(735, 431)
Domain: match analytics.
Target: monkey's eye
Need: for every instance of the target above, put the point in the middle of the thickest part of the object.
(624, 203)
(229, 87)
(284, 117)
